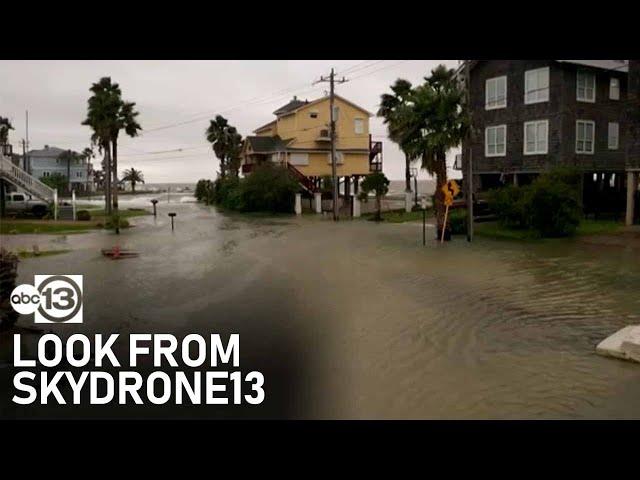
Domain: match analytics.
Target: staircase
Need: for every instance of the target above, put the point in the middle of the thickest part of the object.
(21, 179)
(302, 179)
(375, 155)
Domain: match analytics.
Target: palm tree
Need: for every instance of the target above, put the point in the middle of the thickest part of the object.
(68, 156)
(226, 143)
(390, 106)
(126, 120)
(437, 112)
(102, 114)
(5, 126)
(134, 176)
(87, 155)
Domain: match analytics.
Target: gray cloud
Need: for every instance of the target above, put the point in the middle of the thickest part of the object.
(172, 92)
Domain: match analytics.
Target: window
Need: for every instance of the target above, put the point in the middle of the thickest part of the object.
(495, 139)
(299, 159)
(614, 89)
(586, 87)
(339, 158)
(336, 113)
(585, 130)
(536, 137)
(496, 93)
(313, 114)
(358, 126)
(78, 174)
(614, 135)
(536, 85)
(46, 174)
(18, 198)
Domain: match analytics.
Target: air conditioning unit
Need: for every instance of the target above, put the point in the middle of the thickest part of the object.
(324, 135)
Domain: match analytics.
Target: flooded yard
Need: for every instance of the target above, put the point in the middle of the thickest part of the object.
(359, 320)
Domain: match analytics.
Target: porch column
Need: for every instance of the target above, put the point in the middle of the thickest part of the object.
(632, 186)
(317, 201)
(515, 179)
(356, 206)
(356, 180)
(298, 206)
(347, 187)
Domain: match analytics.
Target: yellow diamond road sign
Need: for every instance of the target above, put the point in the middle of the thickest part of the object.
(450, 190)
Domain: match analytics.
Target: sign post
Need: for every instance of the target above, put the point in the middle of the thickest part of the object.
(450, 190)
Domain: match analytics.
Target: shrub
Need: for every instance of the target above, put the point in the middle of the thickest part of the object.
(269, 188)
(509, 204)
(458, 221)
(550, 206)
(8, 275)
(111, 222)
(204, 191)
(553, 206)
(83, 215)
(222, 189)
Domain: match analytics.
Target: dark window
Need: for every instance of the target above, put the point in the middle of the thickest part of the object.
(18, 198)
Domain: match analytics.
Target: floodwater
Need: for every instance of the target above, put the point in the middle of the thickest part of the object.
(359, 320)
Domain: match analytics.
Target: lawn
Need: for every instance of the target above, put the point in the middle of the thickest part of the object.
(98, 220)
(586, 227)
(42, 253)
(399, 216)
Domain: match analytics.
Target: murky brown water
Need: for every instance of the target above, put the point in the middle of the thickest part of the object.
(358, 320)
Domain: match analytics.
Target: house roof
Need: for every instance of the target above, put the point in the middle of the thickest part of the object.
(266, 144)
(46, 152)
(619, 65)
(291, 106)
(263, 127)
(616, 65)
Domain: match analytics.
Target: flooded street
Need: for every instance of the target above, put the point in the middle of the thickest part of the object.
(359, 320)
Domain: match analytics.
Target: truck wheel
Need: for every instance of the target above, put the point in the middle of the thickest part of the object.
(39, 211)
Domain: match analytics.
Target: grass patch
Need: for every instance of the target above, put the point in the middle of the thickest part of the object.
(124, 213)
(398, 216)
(586, 228)
(42, 253)
(10, 227)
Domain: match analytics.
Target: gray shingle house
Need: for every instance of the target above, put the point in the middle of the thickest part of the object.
(531, 115)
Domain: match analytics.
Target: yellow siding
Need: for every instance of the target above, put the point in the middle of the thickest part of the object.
(319, 165)
(306, 129)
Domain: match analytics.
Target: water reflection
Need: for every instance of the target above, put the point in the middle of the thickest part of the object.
(370, 323)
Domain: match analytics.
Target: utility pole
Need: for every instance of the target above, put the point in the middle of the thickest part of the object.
(332, 125)
(25, 158)
(468, 164)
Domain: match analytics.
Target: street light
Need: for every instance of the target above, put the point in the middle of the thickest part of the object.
(414, 174)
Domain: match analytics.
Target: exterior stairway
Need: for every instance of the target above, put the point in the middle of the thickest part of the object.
(21, 179)
(302, 179)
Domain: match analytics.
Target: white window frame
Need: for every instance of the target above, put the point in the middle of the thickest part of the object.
(616, 145)
(593, 137)
(339, 158)
(300, 159)
(546, 143)
(486, 141)
(542, 95)
(360, 122)
(614, 92)
(496, 105)
(586, 75)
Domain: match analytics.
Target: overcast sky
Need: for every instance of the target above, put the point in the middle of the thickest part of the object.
(182, 96)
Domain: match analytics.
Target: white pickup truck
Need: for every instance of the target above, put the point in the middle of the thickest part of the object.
(21, 203)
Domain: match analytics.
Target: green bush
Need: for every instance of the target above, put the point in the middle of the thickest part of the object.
(553, 206)
(458, 221)
(83, 215)
(269, 188)
(509, 204)
(550, 206)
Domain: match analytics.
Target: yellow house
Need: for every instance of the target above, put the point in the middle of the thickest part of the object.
(299, 138)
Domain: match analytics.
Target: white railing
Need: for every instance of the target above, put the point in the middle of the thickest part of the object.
(22, 179)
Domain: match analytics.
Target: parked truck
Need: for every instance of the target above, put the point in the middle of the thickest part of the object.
(23, 203)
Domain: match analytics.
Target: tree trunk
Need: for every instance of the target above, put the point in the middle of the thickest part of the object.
(407, 173)
(441, 179)
(115, 184)
(378, 208)
(133, 187)
(69, 174)
(107, 177)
